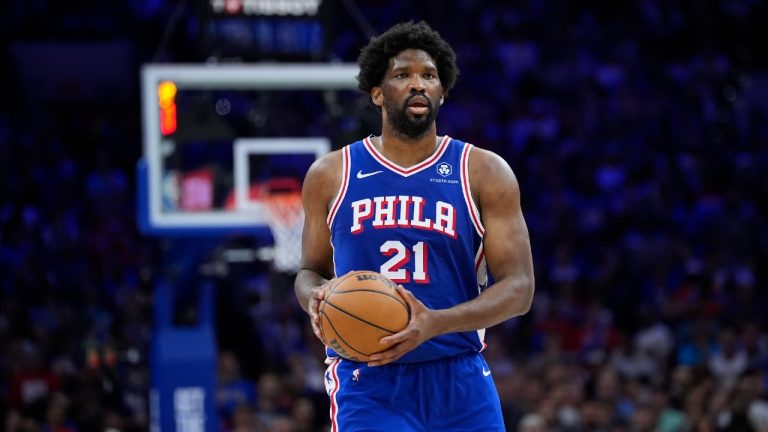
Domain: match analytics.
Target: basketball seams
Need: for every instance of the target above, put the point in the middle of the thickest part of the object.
(338, 335)
(332, 288)
(357, 318)
(395, 297)
(340, 280)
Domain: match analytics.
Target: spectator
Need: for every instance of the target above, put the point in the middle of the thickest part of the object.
(729, 360)
(644, 159)
(232, 390)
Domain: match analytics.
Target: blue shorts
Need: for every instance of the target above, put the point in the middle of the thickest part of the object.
(453, 394)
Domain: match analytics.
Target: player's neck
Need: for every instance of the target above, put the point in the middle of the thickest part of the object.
(406, 151)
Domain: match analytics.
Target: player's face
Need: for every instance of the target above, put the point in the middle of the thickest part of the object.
(410, 93)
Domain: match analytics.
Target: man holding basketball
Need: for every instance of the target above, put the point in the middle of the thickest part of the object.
(429, 212)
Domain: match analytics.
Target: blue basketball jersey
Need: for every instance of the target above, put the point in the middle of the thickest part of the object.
(419, 226)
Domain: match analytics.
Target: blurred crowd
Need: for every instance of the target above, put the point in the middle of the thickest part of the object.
(639, 135)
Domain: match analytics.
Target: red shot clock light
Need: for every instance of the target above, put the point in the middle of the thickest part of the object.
(166, 94)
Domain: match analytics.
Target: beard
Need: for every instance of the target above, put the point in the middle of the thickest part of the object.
(407, 125)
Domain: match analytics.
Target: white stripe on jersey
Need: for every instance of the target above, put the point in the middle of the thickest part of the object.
(473, 212)
(406, 172)
(342, 189)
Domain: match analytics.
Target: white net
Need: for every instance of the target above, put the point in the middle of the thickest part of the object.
(286, 221)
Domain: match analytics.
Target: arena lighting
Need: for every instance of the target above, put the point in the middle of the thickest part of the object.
(265, 7)
(166, 95)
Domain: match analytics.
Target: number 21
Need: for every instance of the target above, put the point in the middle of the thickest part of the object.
(401, 255)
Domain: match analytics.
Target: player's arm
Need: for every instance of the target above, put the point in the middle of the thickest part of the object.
(507, 248)
(508, 253)
(321, 184)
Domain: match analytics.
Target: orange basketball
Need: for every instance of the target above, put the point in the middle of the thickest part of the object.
(361, 307)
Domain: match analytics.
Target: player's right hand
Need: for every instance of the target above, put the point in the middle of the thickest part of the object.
(316, 296)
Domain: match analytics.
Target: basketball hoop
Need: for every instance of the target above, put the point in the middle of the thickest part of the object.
(285, 216)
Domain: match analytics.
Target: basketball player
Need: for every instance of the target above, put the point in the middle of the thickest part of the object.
(429, 212)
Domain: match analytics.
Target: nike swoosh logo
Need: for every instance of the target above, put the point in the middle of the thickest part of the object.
(360, 174)
(486, 372)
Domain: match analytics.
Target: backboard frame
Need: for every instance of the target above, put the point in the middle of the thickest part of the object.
(297, 76)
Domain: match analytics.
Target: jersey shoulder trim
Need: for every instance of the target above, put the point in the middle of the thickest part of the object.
(343, 188)
(465, 187)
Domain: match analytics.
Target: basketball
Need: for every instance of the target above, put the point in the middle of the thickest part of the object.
(361, 307)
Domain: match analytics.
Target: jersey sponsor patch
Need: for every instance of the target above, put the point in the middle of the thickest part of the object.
(444, 169)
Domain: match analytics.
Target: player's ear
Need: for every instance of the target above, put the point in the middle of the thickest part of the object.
(377, 96)
(442, 99)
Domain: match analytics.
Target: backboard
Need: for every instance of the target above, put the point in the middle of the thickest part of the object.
(218, 138)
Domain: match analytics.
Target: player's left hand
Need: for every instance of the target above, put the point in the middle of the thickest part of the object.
(420, 328)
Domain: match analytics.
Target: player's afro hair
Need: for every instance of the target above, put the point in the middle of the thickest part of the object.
(374, 58)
